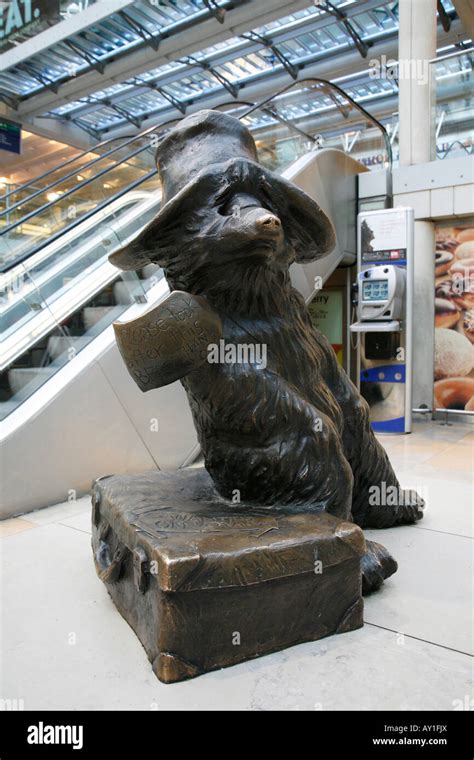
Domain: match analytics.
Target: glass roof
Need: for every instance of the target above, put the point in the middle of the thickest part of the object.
(290, 42)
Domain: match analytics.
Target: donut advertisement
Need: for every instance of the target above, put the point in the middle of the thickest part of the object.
(454, 318)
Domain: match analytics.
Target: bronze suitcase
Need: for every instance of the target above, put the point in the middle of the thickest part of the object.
(205, 584)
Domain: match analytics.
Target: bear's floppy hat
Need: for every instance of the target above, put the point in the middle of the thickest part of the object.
(206, 158)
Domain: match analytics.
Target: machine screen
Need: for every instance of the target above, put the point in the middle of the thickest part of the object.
(375, 290)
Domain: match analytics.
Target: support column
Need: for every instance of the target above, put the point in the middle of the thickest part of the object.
(417, 45)
(423, 315)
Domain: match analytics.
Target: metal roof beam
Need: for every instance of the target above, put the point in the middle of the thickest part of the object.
(92, 132)
(85, 55)
(342, 17)
(217, 12)
(123, 113)
(181, 107)
(248, 81)
(332, 67)
(301, 63)
(38, 76)
(10, 100)
(151, 39)
(301, 26)
(116, 21)
(238, 19)
(233, 89)
(264, 84)
(269, 44)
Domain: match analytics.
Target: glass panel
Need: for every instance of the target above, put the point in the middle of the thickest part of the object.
(452, 86)
(316, 113)
(52, 306)
(278, 144)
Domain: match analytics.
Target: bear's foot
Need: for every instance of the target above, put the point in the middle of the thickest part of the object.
(405, 508)
(377, 564)
(411, 508)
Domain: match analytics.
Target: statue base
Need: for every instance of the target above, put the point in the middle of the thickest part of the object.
(206, 584)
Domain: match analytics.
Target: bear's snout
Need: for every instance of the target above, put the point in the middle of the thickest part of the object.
(263, 224)
(268, 223)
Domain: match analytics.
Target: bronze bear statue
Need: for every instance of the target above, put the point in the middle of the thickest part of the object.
(291, 432)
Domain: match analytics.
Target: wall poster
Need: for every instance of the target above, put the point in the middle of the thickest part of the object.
(454, 317)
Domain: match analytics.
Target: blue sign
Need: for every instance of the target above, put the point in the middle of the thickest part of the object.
(10, 135)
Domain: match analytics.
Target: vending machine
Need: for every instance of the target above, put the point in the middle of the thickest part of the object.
(383, 306)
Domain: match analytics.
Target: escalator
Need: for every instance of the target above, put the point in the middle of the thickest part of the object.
(59, 367)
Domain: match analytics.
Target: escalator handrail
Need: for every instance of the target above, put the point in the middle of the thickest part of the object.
(72, 190)
(61, 165)
(331, 85)
(75, 222)
(85, 166)
(81, 169)
(126, 138)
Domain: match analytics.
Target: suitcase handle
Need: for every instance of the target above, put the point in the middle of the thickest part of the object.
(109, 566)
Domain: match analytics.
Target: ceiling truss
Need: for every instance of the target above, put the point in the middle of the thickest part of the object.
(288, 45)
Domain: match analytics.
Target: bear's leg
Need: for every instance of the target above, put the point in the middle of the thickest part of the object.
(378, 501)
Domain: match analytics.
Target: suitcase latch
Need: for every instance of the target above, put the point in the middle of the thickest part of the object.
(140, 569)
(96, 499)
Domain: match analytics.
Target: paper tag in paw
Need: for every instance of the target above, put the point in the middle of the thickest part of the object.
(169, 341)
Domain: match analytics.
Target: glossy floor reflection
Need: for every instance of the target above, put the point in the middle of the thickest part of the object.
(64, 646)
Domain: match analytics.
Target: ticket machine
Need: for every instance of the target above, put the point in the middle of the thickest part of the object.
(383, 330)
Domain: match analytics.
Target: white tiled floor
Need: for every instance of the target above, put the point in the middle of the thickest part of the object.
(64, 646)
